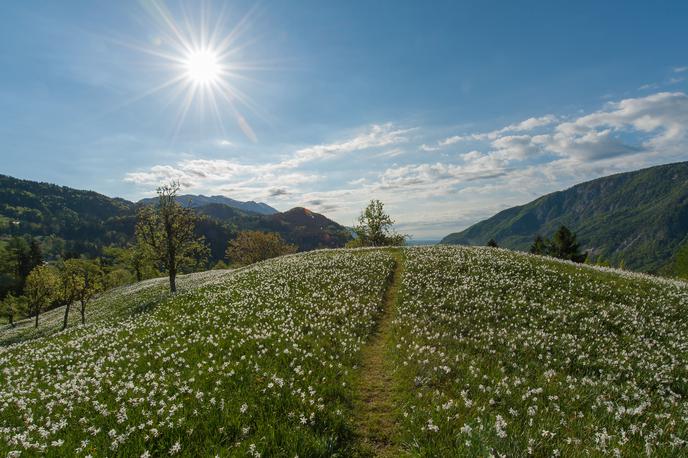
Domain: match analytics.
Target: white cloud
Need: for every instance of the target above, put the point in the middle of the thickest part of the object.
(523, 126)
(378, 135)
(530, 124)
(664, 116)
(512, 165)
(680, 69)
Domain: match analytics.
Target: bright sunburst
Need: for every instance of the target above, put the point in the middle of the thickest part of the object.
(203, 66)
(205, 59)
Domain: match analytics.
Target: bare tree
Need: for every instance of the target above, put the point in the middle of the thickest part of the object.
(168, 231)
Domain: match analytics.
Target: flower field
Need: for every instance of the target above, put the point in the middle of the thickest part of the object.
(508, 354)
(114, 304)
(489, 353)
(254, 362)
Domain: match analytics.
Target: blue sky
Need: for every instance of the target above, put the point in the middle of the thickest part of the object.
(447, 111)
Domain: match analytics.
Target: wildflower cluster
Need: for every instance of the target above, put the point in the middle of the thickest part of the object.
(508, 354)
(253, 362)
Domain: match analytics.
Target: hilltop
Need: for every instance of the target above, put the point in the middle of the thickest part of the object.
(83, 222)
(425, 351)
(640, 218)
(196, 201)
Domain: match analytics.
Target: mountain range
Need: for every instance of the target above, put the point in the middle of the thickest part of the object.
(197, 201)
(83, 222)
(637, 218)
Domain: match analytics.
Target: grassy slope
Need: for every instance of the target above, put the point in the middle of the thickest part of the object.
(115, 304)
(506, 353)
(490, 352)
(259, 361)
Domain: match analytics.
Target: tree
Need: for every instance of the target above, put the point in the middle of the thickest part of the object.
(42, 287)
(492, 243)
(21, 258)
(565, 246)
(13, 306)
(82, 280)
(167, 230)
(375, 228)
(540, 246)
(254, 246)
(135, 257)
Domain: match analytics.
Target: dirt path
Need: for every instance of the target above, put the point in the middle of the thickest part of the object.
(375, 405)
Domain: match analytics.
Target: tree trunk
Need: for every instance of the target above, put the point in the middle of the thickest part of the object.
(66, 316)
(83, 313)
(173, 280)
(37, 312)
(12, 321)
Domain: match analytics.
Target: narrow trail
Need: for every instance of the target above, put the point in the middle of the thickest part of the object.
(375, 404)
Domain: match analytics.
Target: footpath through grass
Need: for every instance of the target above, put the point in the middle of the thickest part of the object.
(375, 406)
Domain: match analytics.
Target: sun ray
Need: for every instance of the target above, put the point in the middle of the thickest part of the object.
(207, 59)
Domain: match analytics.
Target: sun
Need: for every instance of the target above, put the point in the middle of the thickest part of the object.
(206, 59)
(203, 67)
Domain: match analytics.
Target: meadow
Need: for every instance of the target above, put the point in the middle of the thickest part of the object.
(257, 362)
(485, 352)
(504, 354)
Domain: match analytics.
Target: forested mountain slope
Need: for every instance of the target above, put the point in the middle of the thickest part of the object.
(71, 221)
(640, 218)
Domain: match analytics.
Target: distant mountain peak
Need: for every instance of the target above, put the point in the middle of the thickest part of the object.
(201, 200)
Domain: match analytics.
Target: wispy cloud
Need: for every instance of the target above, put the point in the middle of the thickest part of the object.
(505, 166)
(377, 135)
(268, 179)
(523, 126)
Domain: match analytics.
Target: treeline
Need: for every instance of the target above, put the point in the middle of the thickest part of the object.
(166, 242)
(562, 245)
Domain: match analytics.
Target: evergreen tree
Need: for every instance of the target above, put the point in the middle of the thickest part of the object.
(12, 307)
(565, 246)
(492, 243)
(539, 246)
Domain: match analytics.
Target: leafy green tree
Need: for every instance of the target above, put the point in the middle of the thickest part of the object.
(254, 246)
(540, 246)
(82, 280)
(117, 277)
(167, 230)
(22, 257)
(12, 307)
(492, 243)
(135, 257)
(565, 246)
(42, 287)
(376, 228)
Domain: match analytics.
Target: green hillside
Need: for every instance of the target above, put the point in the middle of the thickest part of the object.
(76, 222)
(424, 351)
(640, 218)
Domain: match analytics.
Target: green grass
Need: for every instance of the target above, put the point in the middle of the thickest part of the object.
(510, 354)
(427, 351)
(259, 362)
